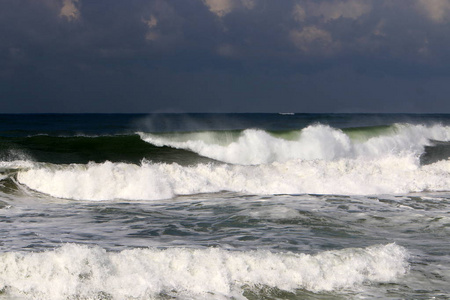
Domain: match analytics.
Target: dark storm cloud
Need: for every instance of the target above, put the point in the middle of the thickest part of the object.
(224, 55)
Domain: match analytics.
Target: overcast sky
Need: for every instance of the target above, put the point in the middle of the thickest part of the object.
(225, 56)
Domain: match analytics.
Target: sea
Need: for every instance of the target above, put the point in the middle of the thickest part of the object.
(224, 206)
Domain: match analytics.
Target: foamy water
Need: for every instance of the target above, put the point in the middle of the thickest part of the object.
(282, 207)
(107, 181)
(314, 142)
(80, 271)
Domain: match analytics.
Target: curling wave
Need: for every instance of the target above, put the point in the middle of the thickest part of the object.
(253, 146)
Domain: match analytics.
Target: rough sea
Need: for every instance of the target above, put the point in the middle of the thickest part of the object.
(225, 206)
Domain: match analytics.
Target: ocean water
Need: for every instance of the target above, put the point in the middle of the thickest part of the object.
(225, 206)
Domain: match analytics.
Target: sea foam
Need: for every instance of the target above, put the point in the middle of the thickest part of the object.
(317, 160)
(255, 146)
(82, 272)
(149, 181)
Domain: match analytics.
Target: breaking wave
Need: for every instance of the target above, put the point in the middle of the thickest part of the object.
(396, 159)
(149, 181)
(253, 146)
(82, 272)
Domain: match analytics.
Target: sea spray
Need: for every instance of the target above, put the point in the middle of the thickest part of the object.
(313, 142)
(254, 146)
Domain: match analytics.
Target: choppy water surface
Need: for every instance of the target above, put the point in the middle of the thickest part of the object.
(318, 212)
(411, 231)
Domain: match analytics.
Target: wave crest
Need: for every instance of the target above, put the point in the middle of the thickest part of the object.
(107, 181)
(75, 271)
(253, 146)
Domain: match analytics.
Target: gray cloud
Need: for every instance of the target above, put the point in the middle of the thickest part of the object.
(224, 55)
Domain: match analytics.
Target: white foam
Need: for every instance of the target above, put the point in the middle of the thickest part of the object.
(273, 212)
(75, 271)
(16, 164)
(313, 142)
(103, 181)
(258, 147)
(106, 181)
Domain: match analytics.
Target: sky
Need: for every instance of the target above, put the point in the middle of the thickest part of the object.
(156, 56)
